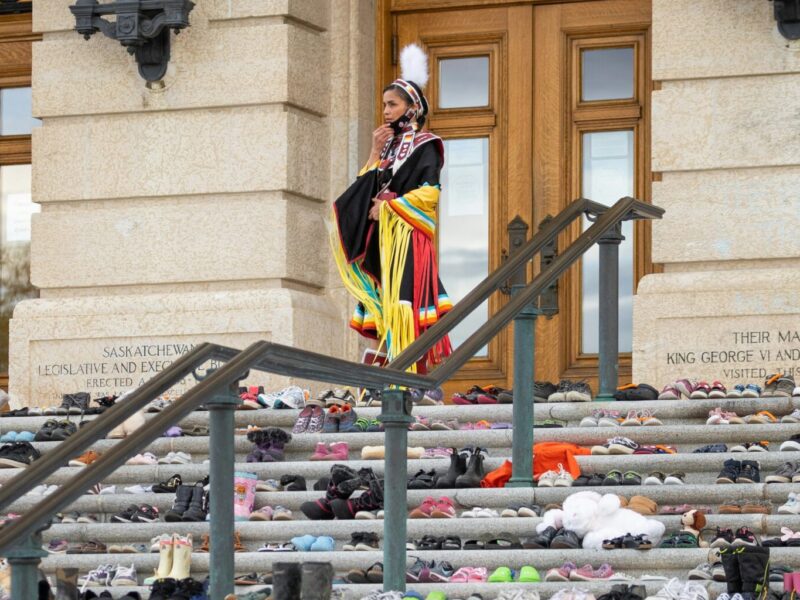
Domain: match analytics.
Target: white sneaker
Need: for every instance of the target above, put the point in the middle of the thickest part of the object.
(37, 491)
(108, 490)
(670, 591)
(175, 458)
(694, 591)
(146, 458)
(791, 507)
(547, 479)
(125, 576)
(563, 478)
(794, 416)
(137, 489)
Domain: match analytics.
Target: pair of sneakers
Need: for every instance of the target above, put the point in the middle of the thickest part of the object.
(555, 478)
(109, 575)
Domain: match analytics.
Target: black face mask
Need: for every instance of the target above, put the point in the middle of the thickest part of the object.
(401, 123)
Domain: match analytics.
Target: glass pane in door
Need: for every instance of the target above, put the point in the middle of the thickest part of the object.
(464, 226)
(607, 74)
(16, 209)
(606, 176)
(464, 82)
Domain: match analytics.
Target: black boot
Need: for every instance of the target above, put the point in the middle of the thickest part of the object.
(183, 496)
(317, 581)
(730, 562)
(286, 581)
(342, 483)
(474, 473)
(162, 589)
(293, 483)
(185, 589)
(372, 499)
(458, 466)
(753, 567)
(198, 506)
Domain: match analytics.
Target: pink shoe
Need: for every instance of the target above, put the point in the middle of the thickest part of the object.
(467, 426)
(444, 509)
(561, 573)
(424, 510)
(603, 572)
(477, 574)
(339, 451)
(320, 452)
(462, 575)
(584, 573)
(262, 514)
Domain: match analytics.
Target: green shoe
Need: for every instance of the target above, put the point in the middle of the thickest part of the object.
(529, 574)
(501, 575)
(436, 595)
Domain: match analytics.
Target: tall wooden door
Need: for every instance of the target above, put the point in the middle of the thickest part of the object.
(538, 104)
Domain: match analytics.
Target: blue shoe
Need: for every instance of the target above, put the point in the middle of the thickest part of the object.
(25, 436)
(324, 543)
(10, 436)
(304, 542)
(412, 594)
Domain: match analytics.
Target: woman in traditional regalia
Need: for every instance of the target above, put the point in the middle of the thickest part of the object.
(384, 241)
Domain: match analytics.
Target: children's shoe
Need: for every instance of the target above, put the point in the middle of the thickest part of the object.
(501, 575)
(347, 419)
(321, 452)
(528, 574)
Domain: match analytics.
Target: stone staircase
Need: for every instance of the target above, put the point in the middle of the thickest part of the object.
(683, 427)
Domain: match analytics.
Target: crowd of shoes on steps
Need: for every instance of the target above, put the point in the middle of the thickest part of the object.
(658, 462)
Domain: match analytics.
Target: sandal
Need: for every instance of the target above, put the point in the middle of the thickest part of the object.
(474, 545)
(422, 480)
(249, 579)
(430, 542)
(504, 541)
(197, 430)
(451, 542)
(375, 573)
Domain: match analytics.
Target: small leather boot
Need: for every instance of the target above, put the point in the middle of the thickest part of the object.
(316, 581)
(458, 466)
(198, 506)
(286, 581)
(474, 473)
(183, 496)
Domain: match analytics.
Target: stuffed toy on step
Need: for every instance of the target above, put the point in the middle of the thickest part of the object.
(694, 521)
(596, 518)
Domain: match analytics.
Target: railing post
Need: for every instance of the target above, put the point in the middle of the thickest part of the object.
(396, 417)
(608, 328)
(223, 457)
(24, 559)
(524, 351)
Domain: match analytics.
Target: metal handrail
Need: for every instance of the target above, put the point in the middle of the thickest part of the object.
(263, 356)
(516, 261)
(608, 219)
(218, 392)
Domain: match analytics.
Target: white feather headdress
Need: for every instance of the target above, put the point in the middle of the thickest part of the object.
(414, 65)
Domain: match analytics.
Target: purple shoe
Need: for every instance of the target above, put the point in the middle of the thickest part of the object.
(174, 431)
(303, 420)
(501, 425)
(317, 419)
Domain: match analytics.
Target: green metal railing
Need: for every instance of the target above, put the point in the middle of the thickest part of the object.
(20, 539)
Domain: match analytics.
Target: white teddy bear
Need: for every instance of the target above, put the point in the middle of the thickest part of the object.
(596, 518)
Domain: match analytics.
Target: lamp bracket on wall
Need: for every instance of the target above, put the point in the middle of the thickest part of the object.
(14, 7)
(787, 14)
(142, 26)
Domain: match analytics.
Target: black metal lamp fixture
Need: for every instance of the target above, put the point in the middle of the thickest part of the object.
(13, 7)
(787, 14)
(143, 26)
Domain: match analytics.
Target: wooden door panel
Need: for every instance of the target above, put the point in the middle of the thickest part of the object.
(502, 34)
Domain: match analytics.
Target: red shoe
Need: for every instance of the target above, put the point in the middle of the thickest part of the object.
(424, 510)
(443, 509)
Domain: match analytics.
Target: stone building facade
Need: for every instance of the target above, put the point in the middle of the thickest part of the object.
(196, 208)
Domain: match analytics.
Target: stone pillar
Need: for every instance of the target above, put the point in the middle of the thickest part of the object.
(195, 209)
(725, 141)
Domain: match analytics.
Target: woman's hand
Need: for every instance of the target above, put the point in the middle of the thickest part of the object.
(379, 138)
(375, 211)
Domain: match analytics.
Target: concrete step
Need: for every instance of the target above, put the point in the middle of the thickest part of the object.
(489, 591)
(709, 495)
(253, 534)
(632, 562)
